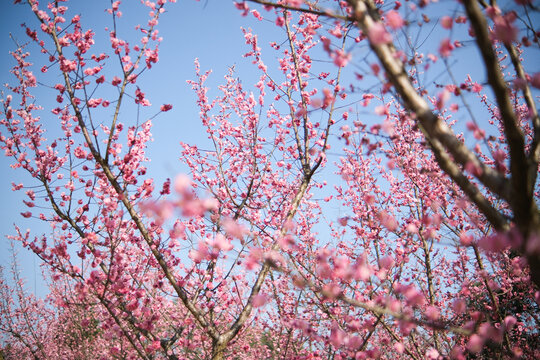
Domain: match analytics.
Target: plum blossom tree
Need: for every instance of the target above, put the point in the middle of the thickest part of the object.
(433, 251)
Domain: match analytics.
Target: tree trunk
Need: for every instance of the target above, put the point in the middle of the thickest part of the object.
(218, 349)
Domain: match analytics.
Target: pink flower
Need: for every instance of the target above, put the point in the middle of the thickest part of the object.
(182, 183)
(116, 81)
(286, 242)
(328, 98)
(494, 243)
(504, 30)
(140, 99)
(257, 15)
(381, 110)
(475, 343)
(388, 127)
(509, 322)
(432, 312)
(394, 20)
(476, 88)
(165, 107)
(459, 306)
(447, 22)
(233, 228)
(242, 6)
(388, 221)
(362, 272)
(442, 98)
(92, 103)
(376, 69)
(326, 43)
(413, 296)
(221, 243)
(432, 354)
(259, 300)
(378, 34)
(465, 239)
(341, 58)
(535, 80)
(294, 3)
(336, 31)
(68, 65)
(200, 254)
(446, 47)
(337, 336)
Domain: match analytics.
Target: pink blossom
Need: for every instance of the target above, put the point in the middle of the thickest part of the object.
(535, 80)
(92, 103)
(182, 183)
(257, 15)
(328, 99)
(475, 343)
(447, 22)
(388, 221)
(336, 31)
(413, 296)
(505, 31)
(388, 127)
(394, 20)
(286, 242)
(259, 300)
(509, 322)
(294, 3)
(68, 65)
(242, 6)
(233, 228)
(378, 35)
(399, 347)
(476, 88)
(326, 44)
(341, 58)
(166, 107)
(494, 243)
(442, 98)
(432, 312)
(337, 336)
(221, 243)
(432, 354)
(376, 69)
(116, 81)
(140, 98)
(253, 258)
(200, 254)
(446, 47)
(362, 272)
(465, 239)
